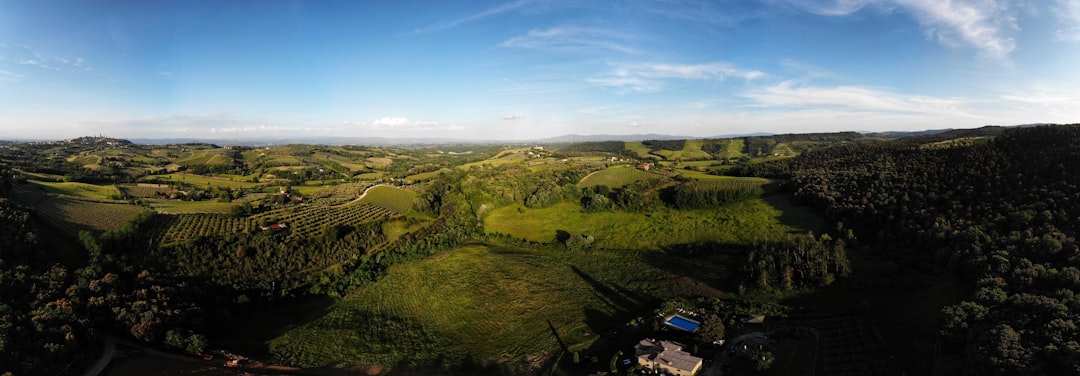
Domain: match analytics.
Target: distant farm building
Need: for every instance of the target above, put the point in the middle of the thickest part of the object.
(276, 226)
(666, 356)
(644, 166)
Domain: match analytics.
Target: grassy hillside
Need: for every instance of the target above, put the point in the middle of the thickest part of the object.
(640, 149)
(740, 223)
(93, 191)
(691, 151)
(72, 216)
(396, 199)
(614, 177)
(477, 301)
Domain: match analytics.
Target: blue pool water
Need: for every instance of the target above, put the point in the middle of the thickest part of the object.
(683, 323)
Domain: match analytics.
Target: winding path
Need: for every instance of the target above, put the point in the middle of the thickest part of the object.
(361, 197)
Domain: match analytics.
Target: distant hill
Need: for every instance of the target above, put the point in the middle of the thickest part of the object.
(609, 137)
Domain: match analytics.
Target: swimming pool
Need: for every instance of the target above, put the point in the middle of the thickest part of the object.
(683, 323)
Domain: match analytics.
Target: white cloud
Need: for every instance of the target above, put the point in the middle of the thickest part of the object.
(444, 25)
(649, 77)
(254, 130)
(405, 124)
(388, 121)
(1054, 106)
(514, 117)
(571, 39)
(982, 24)
(786, 94)
(986, 25)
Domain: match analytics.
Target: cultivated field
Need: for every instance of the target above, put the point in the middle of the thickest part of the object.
(691, 151)
(394, 199)
(102, 192)
(72, 216)
(476, 301)
(614, 177)
(740, 223)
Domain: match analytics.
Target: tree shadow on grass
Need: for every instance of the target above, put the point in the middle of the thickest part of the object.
(801, 217)
(250, 326)
(619, 299)
(713, 265)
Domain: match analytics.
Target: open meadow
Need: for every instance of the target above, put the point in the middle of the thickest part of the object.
(615, 177)
(739, 223)
(92, 191)
(481, 302)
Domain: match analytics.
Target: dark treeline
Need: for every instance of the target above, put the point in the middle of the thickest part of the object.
(614, 147)
(52, 317)
(795, 262)
(1004, 213)
(695, 195)
(665, 144)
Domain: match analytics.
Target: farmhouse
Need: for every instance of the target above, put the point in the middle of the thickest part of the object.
(276, 226)
(644, 166)
(666, 356)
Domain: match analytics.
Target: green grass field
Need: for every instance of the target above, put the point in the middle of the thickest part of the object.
(204, 157)
(424, 176)
(103, 192)
(614, 177)
(41, 176)
(739, 223)
(639, 149)
(489, 303)
(200, 180)
(690, 151)
(734, 149)
(396, 199)
(190, 207)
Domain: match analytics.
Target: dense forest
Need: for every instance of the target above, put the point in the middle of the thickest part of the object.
(1002, 212)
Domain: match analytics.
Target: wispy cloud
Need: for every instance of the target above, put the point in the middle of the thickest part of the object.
(986, 25)
(982, 24)
(829, 7)
(253, 130)
(406, 124)
(514, 117)
(1069, 12)
(25, 55)
(788, 95)
(10, 77)
(710, 14)
(650, 77)
(568, 38)
(450, 24)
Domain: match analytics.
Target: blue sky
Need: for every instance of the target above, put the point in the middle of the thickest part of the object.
(531, 68)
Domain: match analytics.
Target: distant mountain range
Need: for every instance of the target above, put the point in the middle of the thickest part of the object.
(570, 138)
